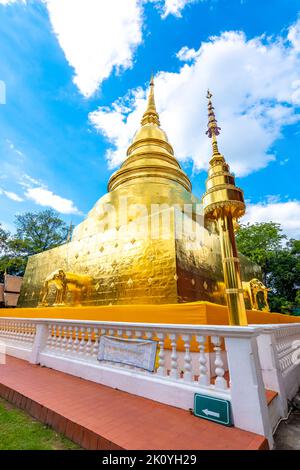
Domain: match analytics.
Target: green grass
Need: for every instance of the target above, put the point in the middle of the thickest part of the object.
(19, 431)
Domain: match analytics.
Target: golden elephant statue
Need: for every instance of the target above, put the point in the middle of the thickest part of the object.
(64, 282)
(252, 289)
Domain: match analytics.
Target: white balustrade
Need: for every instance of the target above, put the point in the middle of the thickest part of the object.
(18, 332)
(232, 371)
(279, 348)
(287, 339)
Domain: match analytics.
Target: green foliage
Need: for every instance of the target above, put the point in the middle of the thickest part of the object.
(258, 241)
(19, 431)
(3, 238)
(36, 232)
(279, 260)
(39, 231)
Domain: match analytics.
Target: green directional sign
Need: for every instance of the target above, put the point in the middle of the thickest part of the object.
(213, 409)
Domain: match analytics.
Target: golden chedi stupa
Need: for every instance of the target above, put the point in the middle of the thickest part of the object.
(145, 241)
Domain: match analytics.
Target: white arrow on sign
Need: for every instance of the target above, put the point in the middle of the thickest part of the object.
(211, 413)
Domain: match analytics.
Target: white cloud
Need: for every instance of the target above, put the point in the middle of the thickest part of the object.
(256, 86)
(294, 35)
(97, 37)
(45, 197)
(27, 181)
(11, 195)
(174, 7)
(285, 213)
(185, 54)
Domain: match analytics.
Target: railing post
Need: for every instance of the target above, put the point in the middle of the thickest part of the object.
(270, 368)
(248, 398)
(39, 343)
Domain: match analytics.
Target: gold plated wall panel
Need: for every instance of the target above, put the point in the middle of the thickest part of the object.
(127, 264)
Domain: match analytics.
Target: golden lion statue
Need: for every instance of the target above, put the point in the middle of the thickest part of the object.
(77, 284)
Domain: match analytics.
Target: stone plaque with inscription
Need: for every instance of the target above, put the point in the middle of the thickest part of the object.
(134, 352)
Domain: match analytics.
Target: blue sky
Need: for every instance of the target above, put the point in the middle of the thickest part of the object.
(76, 75)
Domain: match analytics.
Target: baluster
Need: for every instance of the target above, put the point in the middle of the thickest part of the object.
(30, 328)
(96, 343)
(88, 347)
(54, 337)
(27, 327)
(32, 332)
(76, 342)
(64, 341)
(187, 376)
(203, 377)
(8, 330)
(161, 370)
(6, 327)
(49, 338)
(22, 336)
(59, 338)
(220, 382)
(174, 359)
(18, 335)
(70, 339)
(11, 330)
(82, 341)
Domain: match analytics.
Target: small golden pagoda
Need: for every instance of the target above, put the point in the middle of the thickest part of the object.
(224, 203)
(145, 241)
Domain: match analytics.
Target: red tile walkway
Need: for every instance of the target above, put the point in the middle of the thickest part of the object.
(99, 417)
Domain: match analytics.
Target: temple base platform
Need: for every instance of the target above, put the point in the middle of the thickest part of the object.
(194, 313)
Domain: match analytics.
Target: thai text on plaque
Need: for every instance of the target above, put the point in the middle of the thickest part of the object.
(134, 352)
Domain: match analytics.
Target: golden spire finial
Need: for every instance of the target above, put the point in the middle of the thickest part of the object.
(212, 127)
(150, 116)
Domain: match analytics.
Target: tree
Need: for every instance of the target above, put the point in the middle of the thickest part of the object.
(40, 231)
(4, 235)
(284, 271)
(36, 232)
(259, 241)
(280, 262)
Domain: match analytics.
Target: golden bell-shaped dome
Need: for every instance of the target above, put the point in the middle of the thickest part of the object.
(150, 154)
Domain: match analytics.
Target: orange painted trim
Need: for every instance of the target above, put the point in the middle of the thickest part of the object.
(194, 313)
